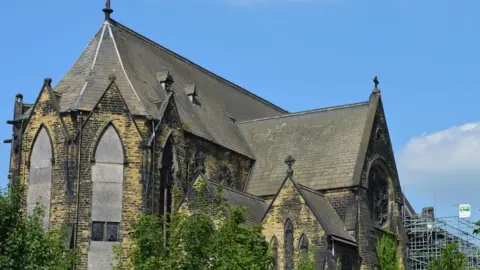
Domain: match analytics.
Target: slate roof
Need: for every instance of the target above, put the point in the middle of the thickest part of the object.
(256, 207)
(325, 214)
(136, 61)
(326, 143)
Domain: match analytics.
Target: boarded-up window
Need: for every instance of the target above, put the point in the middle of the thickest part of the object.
(40, 177)
(107, 180)
(288, 245)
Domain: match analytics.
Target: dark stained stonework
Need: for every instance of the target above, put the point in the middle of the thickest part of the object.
(178, 123)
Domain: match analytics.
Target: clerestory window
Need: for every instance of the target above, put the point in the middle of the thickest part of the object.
(105, 231)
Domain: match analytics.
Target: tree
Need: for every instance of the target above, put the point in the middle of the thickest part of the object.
(387, 252)
(451, 258)
(24, 243)
(196, 240)
(306, 260)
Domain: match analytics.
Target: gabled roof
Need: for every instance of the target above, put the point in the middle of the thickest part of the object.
(136, 61)
(325, 214)
(321, 209)
(256, 207)
(326, 141)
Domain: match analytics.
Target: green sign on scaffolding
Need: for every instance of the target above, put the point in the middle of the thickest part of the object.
(464, 211)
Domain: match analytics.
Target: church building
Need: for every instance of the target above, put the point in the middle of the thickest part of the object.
(131, 120)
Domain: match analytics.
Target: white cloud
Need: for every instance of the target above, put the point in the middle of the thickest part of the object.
(453, 150)
(442, 169)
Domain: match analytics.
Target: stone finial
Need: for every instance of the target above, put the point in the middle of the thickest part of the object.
(107, 10)
(48, 81)
(289, 161)
(112, 77)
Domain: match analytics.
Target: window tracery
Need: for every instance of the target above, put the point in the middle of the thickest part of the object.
(378, 194)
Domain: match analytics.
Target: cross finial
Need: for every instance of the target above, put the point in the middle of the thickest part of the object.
(107, 10)
(289, 161)
(376, 82)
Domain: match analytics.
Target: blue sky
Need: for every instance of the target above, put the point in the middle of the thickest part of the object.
(300, 55)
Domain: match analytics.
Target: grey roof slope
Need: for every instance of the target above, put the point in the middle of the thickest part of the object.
(136, 61)
(325, 214)
(326, 142)
(256, 207)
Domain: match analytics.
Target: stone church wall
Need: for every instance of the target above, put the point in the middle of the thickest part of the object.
(379, 152)
(217, 159)
(289, 205)
(44, 116)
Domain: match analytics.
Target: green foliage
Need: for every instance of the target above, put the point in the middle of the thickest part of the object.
(24, 244)
(196, 241)
(387, 252)
(339, 264)
(477, 230)
(450, 259)
(306, 261)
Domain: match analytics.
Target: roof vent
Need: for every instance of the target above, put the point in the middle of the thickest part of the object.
(191, 91)
(165, 79)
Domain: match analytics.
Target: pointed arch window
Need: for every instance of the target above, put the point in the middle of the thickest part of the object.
(166, 177)
(288, 245)
(107, 180)
(40, 174)
(107, 194)
(303, 244)
(378, 193)
(274, 248)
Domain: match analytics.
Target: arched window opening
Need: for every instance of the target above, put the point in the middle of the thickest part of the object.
(378, 194)
(288, 245)
(303, 246)
(40, 176)
(274, 247)
(107, 190)
(166, 178)
(107, 198)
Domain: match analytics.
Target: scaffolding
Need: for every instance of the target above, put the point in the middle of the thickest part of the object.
(428, 235)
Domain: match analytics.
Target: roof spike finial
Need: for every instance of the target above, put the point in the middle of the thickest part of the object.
(107, 10)
(289, 161)
(376, 90)
(376, 82)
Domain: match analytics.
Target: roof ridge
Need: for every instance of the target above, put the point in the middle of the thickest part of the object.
(102, 35)
(237, 191)
(109, 26)
(241, 89)
(331, 108)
